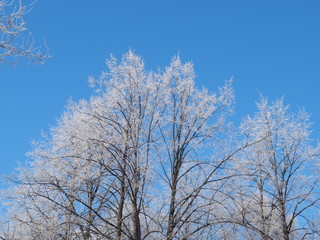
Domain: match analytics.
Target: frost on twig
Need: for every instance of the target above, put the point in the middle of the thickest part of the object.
(15, 40)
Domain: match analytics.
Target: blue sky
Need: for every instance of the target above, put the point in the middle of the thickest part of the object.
(269, 47)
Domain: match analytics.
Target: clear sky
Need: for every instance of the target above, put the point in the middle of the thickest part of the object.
(267, 46)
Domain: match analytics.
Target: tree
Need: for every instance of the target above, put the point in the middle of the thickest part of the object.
(193, 119)
(13, 43)
(279, 188)
(135, 106)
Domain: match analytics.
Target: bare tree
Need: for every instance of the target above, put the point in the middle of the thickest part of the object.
(135, 106)
(193, 119)
(279, 187)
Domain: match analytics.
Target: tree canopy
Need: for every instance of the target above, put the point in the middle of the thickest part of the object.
(152, 156)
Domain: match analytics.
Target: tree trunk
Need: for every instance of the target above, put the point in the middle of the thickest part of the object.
(171, 221)
(122, 195)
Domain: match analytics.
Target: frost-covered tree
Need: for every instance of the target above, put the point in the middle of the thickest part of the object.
(193, 118)
(278, 192)
(133, 108)
(13, 42)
